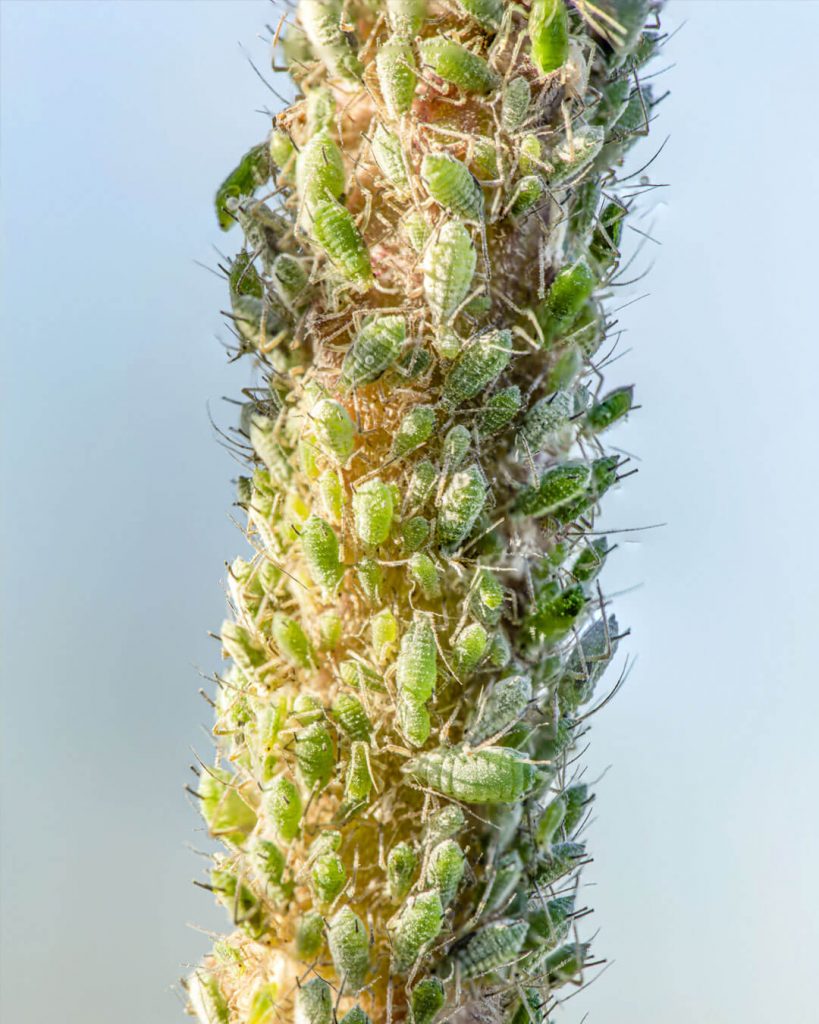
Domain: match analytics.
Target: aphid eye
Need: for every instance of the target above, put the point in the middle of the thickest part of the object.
(349, 945)
(375, 348)
(394, 63)
(452, 185)
(449, 266)
(457, 65)
(549, 34)
(373, 511)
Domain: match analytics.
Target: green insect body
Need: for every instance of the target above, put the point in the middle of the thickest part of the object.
(416, 636)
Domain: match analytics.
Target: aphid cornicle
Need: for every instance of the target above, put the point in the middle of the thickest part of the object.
(449, 266)
(492, 775)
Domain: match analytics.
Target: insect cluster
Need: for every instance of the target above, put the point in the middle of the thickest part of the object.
(430, 233)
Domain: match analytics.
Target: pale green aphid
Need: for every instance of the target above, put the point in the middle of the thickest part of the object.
(414, 721)
(334, 427)
(327, 876)
(417, 661)
(330, 630)
(499, 653)
(419, 924)
(320, 546)
(315, 755)
(282, 154)
(421, 484)
(492, 775)
(263, 1007)
(334, 229)
(389, 155)
(227, 814)
(322, 26)
(505, 703)
(547, 425)
(478, 365)
(487, 13)
(307, 709)
(283, 806)
(454, 63)
(331, 491)
(469, 648)
(425, 573)
(349, 945)
(528, 193)
(349, 713)
(427, 1001)
(321, 109)
(359, 780)
(517, 97)
(401, 864)
(373, 510)
(291, 641)
(449, 266)
(290, 280)
(572, 156)
(549, 34)
(255, 320)
(488, 597)
(369, 576)
(320, 170)
(384, 631)
(445, 870)
(406, 16)
(360, 676)
(461, 504)
(549, 822)
(499, 411)
(414, 429)
(375, 348)
(241, 645)
(396, 78)
(530, 155)
(417, 229)
(309, 939)
(456, 446)
(452, 185)
(494, 946)
(314, 1001)
(445, 823)
(207, 999)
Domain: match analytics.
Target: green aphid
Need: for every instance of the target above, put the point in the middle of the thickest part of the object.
(577, 798)
(468, 649)
(264, 1005)
(263, 436)
(373, 511)
(243, 277)
(307, 709)
(530, 155)
(425, 574)
(418, 925)
(375, 348)
(478, 365)
(452, 185)
(570, 290)
(328, 876)
(456, 447)
(517, 98)
(360, 676)
(503, 882)
(291, 641)
(290, 281)
(315, 755)
(349, 944)
(414, 721)
(320, 170)
(461, 504)
(330, 630)
(530, 1009)
(413, 363)
(426, 1001)
(359, 781)
(321, 109)
(614, 96)
(417, 669)
(331, 493)
(256, 321)
(590, 657)
(314, 999)
(528, 193)
(384, 632)
(444, 824)
(630, 16)
(335, 231)
(499, 653)
(558, 493)
(505, 704)
(493, 775)
(296, 47)
(590, 561)
(309, 936)
(488, 597)
(567, 366)
(321, 553)
(284, 808)
(322, 26)
(499, 411)
(556, 611)
(457, 65)
(401, 864)
(415, 532)
(549, 922)
(445, 870)
(351, 717)
(415, 429)
(282, 155)
(227, 813)
(252, 171)
(611, 408)
(448, 266)
(492, 948)
(549, 34)
(395, 64)
(406, 16)
(547, 425)
(447, 342)
(389, 155)
(334, 427)
(487, 13)
(271, 861)
(370, 577)
(549, 823)
(604, 247)
(564, 964)
(207, 999)
(421, 484)
(571, 157)
(417, 229)
(356, 1016)
(247, 651)
(562, 859)
(246, 910)
(485, 158)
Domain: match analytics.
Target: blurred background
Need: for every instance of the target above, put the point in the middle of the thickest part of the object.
(118, 121)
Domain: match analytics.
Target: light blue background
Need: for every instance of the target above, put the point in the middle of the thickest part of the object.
(118, 119)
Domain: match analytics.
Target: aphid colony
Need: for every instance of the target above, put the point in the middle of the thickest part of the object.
(429, 233)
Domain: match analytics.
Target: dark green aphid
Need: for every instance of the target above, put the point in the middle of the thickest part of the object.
(243, 277)
(456, 446)
(271, 861)
(452, 185)
(334, 229)
(486, 357)
(375, 348)
(568, 490)
(530, 1009)
(549, 823)
(290, 281)
(592, 653)
(247, 911)
(421, 484)
(488, 598)
(631, 16)
(401, 864)
(418, 925)
(493, 947)
(369, 575)
(567, 296)
(590, 561)
(445, 823)
(413, 363)
(614, 406)
(309, 935)
(425, 573)
(562, 858)
(328, 876)
(252, 171)
(415, 532)
(359, 675)
(504, 705)
(257, 321)
(556, 611)
(499, 411)
(356, 1016)
(604, 247)
(314, 1001)
(417, 661)
(570, 160)
(320, 170)
(427, 1001)
(349, 945)
(468, 649)
(564, 964)
(549, 921)
(291, 641)
(547, 425)
(491, 775)
(577, 797)
(549, 34)
(454, 63)
(613, 101)
(503, 882)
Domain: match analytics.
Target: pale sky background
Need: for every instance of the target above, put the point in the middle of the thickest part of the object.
(118, 121)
